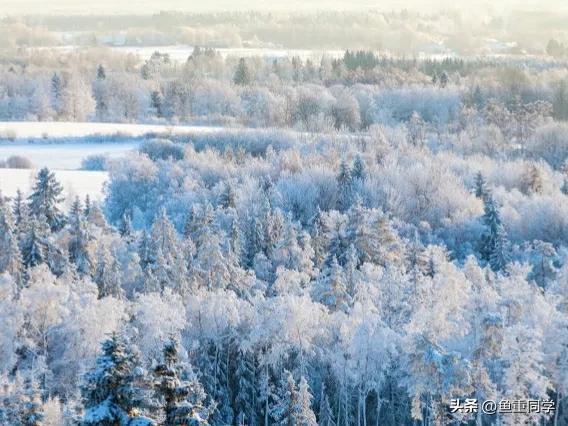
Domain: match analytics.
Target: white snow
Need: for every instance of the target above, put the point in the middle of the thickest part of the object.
(62, 129)
(66, 156)
(75, 182)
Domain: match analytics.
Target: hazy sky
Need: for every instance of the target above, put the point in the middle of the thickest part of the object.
(9, 7)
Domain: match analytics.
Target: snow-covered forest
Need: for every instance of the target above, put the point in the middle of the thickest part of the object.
(369, 238)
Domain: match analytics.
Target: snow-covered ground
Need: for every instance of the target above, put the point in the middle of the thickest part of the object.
(75, 182)
(60, 129)
(63, 156)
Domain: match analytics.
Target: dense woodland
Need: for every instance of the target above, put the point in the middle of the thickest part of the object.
(392, 233)
(283, 277)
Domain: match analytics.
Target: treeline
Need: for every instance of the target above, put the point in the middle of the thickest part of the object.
(351, 93)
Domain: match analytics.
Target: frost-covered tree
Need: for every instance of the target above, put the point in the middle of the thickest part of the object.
(480, 186)
(345, 186)
(34, 243)
(301, 406)
(178, 392)
(245, 398)
(45, 199)
(331, 288)
(325, 416)
(112, 392)
(79, 252)
(494, 245)
(107, 274)
(242, 75)
(10, 256)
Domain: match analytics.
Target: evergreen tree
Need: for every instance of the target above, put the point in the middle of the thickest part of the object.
(242, 75)
(359, 169)
(301, 411)
(87, 209)
(157, 102)
(332, 288)
(79, 253)
(325, 417)
(227, 197)
(245, 399)
(345, 187)
(101, 72)
(34, 243)
(10, 256)
(125, 229)
(180, 395)
(480, 185)
(113, 393)
(211, 265)
(56, 91)
(145, 253)
(166, 260)
(44, 199)
(318, 239)
(494, 243)
(20, 209)
(500, 256)
(107, 274)
(32, 410)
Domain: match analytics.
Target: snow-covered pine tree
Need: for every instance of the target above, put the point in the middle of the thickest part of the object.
(359, 169)
(211, 264)
(325, 415)
(245, 398)
(32, 410)
(280, 400)
(125, 229)
(10, 256)
(345, 187)
(318, 239)
(494, 243)
(242, 75)
(112, 394)
(107, 274)
(45, 198)
(480, 185)
(301, 407)
(79, 253)
(227, 198)
(145, 251)
(34, 243)
(331, 288)
(19, 210)
(87, 209)
(500, 256)
(179, 394)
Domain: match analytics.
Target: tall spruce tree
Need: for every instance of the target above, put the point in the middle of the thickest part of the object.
(34, 243)
(45, 198)
(494, 243)
(178, 392)
(79, 253)
(10, 256)
(113, 392)
(345, 186)
(245, 398)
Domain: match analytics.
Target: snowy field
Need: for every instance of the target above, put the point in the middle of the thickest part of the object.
(60, 129)
(182, 52)
(75, 182)
(64, 156)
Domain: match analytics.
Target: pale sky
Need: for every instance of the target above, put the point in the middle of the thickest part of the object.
(10, 7)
